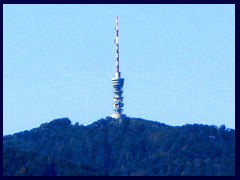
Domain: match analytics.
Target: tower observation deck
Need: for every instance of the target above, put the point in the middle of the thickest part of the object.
(117, 83)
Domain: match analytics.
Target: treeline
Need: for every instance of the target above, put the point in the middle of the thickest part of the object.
(127, 147)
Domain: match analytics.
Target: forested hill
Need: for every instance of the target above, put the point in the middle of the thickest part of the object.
(110, 147)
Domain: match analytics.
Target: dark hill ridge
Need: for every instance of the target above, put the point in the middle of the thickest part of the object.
(129, 146)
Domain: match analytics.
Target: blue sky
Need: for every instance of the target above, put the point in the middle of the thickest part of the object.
(178, 62)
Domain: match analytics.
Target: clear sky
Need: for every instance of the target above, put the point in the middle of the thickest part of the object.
(178, 62)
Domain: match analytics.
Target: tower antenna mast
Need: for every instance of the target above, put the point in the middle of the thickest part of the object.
(117, 46)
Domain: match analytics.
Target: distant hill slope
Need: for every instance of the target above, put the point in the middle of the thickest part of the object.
(110, 147)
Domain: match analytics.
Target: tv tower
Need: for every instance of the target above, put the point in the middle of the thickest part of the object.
(117, 83)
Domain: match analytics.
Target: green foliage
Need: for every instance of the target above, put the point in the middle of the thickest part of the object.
(110, 147)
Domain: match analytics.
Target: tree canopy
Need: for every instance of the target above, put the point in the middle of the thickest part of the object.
(123, 147)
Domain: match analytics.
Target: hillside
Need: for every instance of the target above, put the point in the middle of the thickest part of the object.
(110, 147)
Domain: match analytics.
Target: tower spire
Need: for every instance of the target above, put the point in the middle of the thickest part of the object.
(117, 46)
(117, 82)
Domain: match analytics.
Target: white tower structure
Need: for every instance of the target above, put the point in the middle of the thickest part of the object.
(117, 83)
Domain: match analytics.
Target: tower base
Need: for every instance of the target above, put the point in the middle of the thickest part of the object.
(118, 116)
